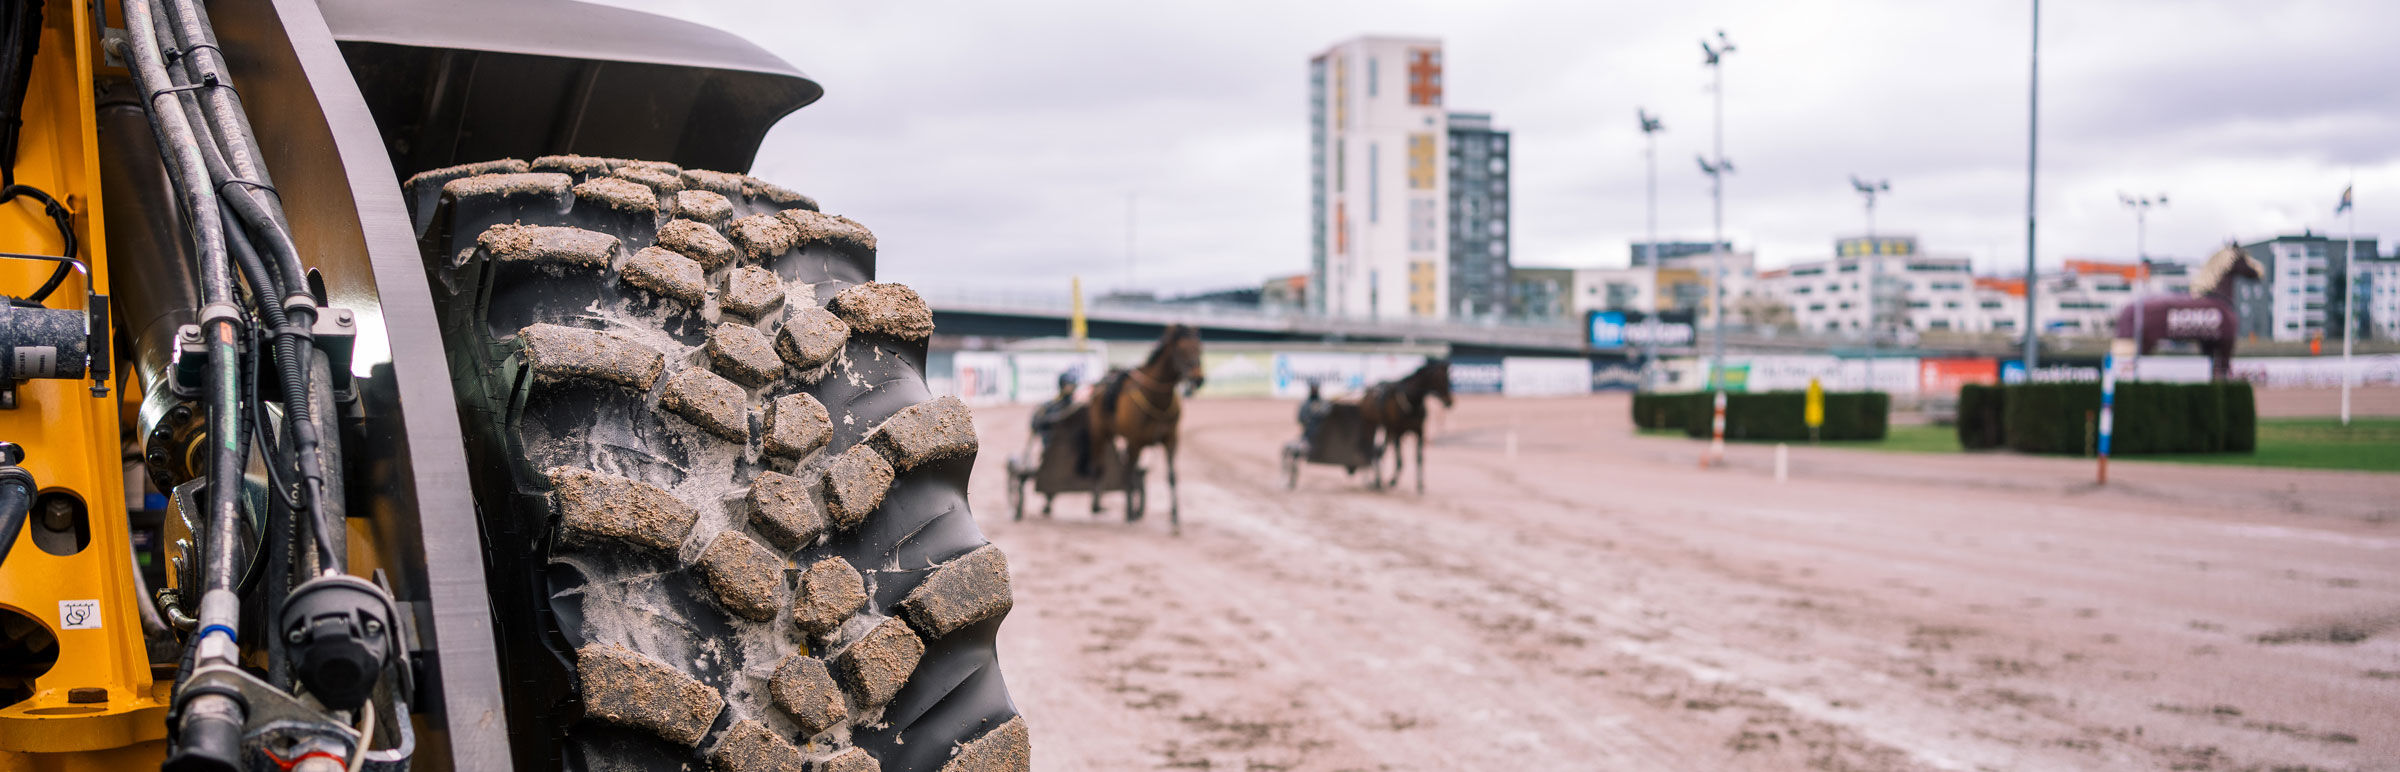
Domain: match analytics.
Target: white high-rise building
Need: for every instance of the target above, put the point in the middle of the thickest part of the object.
(1379, 185)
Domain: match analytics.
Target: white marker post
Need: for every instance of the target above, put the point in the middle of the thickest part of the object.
(1716, 440)
(1783, 462)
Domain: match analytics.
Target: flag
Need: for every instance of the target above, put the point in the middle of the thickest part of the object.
(2345, 205)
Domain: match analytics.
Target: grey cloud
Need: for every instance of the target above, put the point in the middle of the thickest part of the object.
(992, 145)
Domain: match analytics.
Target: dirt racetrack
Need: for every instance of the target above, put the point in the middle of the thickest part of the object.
(1596, 601)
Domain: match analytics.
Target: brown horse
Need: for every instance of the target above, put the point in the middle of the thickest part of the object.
(1397, 409)
(1143, 406)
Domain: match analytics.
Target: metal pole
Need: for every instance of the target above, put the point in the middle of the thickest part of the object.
(1874, 254)
(1716, 239)
(2141, 269)
(2349, 301)
(2141, 211)
(1133, 273)
(1716, 190)
(2033, 130)
(1650, 233)
(1650, 128)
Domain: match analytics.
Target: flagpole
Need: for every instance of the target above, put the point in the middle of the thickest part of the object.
(2349, 291)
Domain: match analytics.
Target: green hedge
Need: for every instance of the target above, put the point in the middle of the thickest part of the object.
(1980, 415)
(2150, 418)
(1774, 415)
(1667, 411)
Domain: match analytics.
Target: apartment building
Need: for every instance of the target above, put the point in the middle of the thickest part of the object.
(1379, 194)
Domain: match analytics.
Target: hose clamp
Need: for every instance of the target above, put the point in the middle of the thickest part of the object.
(216, 311)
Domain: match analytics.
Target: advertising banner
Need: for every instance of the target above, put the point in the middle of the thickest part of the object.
(980, 377)
(1620, 329)
(1035, 373)
(1545, 376)
(1792, 373)
(1238, 373)
(2316, 372)
(1338, 373)
(1615, 374)
(1476, 375)
(2079, 370)
(1941, 376)
(2172, 369)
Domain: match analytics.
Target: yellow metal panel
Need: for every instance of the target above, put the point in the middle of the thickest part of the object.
(72, 442)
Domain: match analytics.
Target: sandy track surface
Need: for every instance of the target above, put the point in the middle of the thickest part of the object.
(1596, 601)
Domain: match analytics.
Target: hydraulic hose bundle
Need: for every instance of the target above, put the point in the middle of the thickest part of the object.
(332, 633)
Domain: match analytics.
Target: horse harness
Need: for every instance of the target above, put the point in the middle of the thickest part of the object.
(1397, 396)
(1141, 397)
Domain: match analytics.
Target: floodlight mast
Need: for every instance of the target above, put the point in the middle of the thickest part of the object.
(1716, 171)
(1651, 126)
(1874, 272)
(2141, 271)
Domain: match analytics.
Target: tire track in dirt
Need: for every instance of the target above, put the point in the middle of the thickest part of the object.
(1535, 613)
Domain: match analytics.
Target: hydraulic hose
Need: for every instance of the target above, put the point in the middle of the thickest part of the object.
(207, 732)
(229, 154)
(248, 184)
(184, 162)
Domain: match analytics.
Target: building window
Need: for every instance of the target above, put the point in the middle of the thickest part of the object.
(1341, 228)
(1421, 225)
(1420, 161)
(1374, 177)
(1371, 77)
(1425, 77)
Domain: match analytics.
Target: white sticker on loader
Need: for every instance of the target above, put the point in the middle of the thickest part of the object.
(79, 615)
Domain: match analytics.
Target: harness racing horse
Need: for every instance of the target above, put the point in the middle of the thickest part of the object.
(1397, 409)
(1142, 407)
(2206, 318)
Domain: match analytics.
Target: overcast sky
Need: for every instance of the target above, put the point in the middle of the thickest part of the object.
(992, 146)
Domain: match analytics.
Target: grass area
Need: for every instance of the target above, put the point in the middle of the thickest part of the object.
(1905, 439)
(1910, 438)
(2367, 444)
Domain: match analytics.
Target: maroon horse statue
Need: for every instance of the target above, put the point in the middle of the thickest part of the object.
(2206, 317)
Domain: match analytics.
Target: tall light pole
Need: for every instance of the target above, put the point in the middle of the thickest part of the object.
(1874, 272)
(1716, 172)
(2141, 270)
(2349, 290)
(2033, 131)
(1651, 126)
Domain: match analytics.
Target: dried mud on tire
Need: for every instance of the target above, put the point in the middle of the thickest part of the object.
(608, 324)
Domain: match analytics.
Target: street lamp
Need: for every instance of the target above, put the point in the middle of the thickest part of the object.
(1651, 126)
(2141, 270)
(1874, 251)
(1716, 191)
(1716, 280)
(2033, 134)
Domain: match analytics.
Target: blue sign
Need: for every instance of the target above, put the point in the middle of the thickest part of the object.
(1619, 329)
(1607, 329)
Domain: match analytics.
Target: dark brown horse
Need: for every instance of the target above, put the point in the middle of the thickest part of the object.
(1397, 409)
(2206, 318)
(1143, 406)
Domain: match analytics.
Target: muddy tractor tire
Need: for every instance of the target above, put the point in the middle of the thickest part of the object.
(725, 523)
